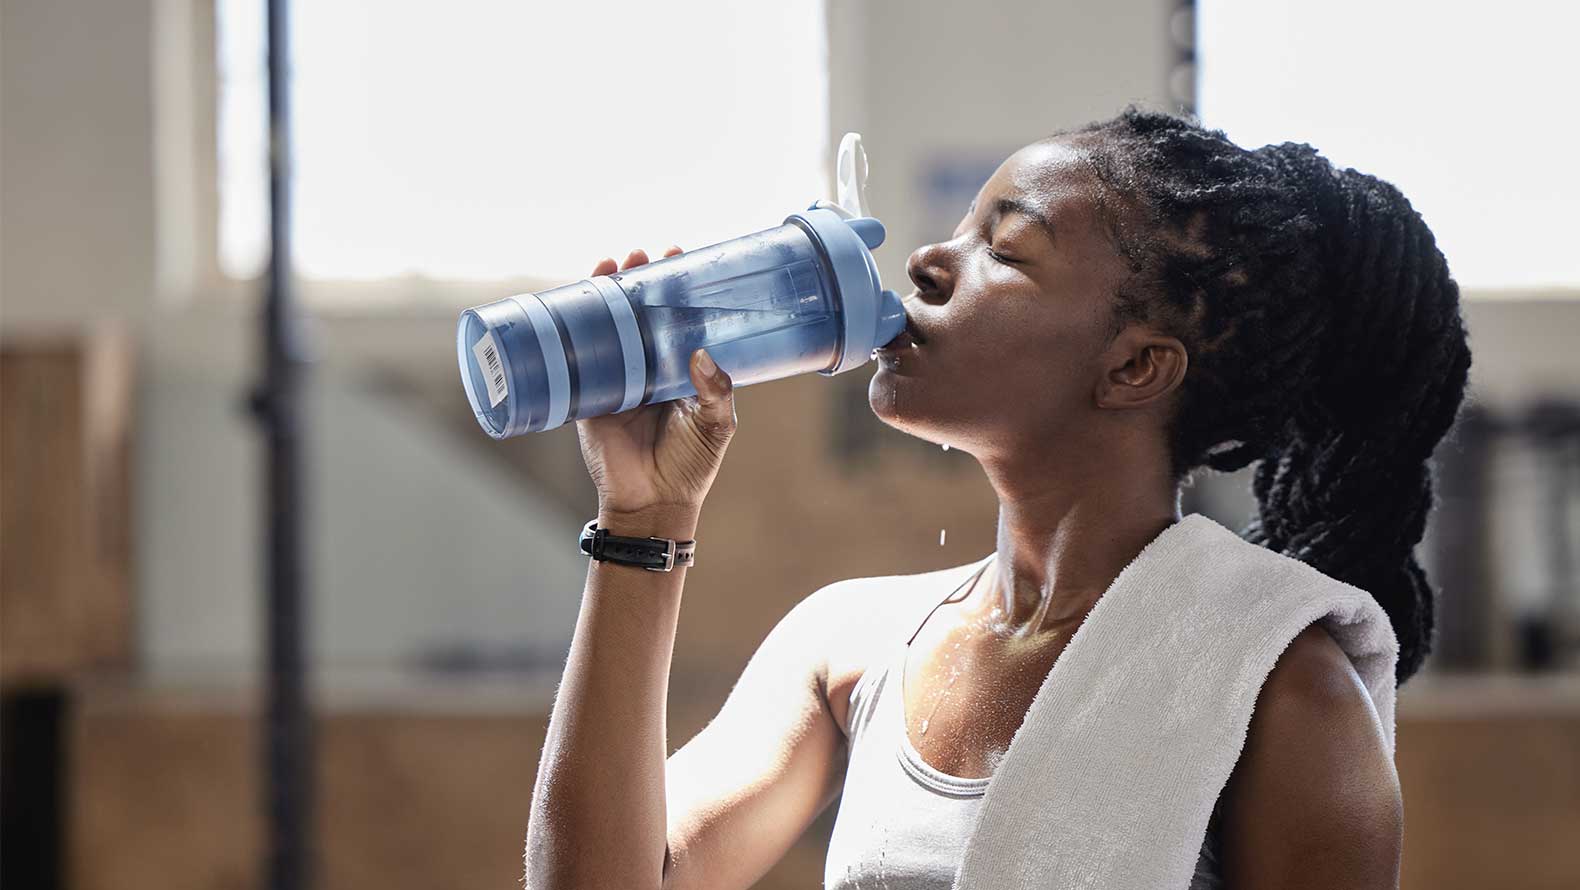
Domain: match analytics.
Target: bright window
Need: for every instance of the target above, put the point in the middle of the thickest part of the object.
(1467, 107)
(485, 140)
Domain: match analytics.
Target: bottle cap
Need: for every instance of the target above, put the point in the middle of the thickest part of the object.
(872, 316)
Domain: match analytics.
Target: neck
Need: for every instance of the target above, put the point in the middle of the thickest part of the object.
(1063, 536)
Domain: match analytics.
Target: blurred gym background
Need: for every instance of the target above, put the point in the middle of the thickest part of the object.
(451, 154)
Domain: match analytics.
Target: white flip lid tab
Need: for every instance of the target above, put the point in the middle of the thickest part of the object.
(850, 173)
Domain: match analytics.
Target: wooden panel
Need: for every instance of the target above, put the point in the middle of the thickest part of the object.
(424, 802)
(109, 400)
(65, 565)
(1491, 802)
(168, 798)
(165, 796)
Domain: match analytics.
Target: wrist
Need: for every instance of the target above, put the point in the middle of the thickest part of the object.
(677, 521)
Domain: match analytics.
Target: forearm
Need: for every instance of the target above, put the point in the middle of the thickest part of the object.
(598, 814)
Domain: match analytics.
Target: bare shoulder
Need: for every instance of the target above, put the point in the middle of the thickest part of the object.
(1314, 678)
(850, 623)
(1314, 800)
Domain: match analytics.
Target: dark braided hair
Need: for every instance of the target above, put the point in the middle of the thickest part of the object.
(1324, 338)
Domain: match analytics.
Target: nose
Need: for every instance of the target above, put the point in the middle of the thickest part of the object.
(929, 267)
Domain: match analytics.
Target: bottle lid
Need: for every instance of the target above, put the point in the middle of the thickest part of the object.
(850, 180)
(872, 315)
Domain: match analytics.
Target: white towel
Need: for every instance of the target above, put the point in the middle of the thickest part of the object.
(1112, 775)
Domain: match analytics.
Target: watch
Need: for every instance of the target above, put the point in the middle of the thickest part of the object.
(653, 554)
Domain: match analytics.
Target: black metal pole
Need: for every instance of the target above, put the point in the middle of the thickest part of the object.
(288, 727)
(1181, 87)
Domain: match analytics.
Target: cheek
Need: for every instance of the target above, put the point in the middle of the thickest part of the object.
(1034, 367)
(1045, 366)
(1032, 342)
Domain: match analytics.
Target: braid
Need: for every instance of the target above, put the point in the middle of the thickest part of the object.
(1324, 335)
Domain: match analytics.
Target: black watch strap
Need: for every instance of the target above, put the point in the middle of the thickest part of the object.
(653, 554)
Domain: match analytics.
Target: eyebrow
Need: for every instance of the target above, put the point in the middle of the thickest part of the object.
(1015, 205)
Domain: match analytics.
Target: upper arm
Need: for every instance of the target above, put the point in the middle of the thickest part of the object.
(1314, 801)
(741, 792)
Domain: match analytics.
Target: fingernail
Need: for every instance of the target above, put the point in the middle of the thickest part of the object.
(705, 362)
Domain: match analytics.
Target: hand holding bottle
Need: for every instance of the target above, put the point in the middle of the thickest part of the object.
(664, 456)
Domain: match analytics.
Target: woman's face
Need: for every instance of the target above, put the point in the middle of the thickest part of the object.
(1013, 314)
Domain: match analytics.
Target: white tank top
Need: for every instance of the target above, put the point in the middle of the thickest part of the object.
(903, 825)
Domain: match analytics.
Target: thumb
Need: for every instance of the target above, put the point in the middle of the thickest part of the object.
(715, 397)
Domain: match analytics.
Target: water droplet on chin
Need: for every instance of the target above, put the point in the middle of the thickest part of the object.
(946, 446)
(941, 537)
(924, 726)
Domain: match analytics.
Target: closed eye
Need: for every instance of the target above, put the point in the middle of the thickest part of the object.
(1000, 257)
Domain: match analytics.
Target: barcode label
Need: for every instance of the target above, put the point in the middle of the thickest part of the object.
(493, 371)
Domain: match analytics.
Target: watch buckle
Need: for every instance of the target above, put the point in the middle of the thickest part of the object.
(669, 555)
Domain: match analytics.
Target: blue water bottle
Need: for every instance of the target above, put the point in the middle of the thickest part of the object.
(803, 296)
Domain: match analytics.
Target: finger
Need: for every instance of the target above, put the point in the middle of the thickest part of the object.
(606, 266)
(636, 257)
(673, 251)
(715, 397)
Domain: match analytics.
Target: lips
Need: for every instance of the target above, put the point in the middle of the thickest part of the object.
(910, 337)
(902, 340)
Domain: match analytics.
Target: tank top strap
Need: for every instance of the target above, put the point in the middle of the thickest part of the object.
(901, 663)
(862, 700)
(980, 567)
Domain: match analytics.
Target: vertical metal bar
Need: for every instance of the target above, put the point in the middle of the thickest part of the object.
(1181, 85)
(288, 728)
(1460, 534)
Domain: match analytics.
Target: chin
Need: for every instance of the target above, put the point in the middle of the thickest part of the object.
(924, 410)
(899, 401)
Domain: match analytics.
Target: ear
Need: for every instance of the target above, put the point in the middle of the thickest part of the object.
(1141, 368)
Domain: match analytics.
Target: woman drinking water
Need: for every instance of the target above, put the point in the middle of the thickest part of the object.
(1121, 305)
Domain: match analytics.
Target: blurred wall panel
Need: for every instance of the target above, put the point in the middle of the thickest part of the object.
(165, 795)
(1492, 792)
(930, 81)
(431, 792)
(65, 566)
(434, 791)
(78, 219)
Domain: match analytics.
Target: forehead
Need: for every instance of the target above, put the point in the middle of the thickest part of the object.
(1051, 174)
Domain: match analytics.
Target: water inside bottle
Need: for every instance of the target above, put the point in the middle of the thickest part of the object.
(718, 323)
(750, 344)
(759, 304)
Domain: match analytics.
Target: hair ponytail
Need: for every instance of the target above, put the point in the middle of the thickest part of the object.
(1348, 486)
(1325, 337)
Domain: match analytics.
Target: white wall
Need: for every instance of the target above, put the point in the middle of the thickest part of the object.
(1523, 349)
(77, 215)
(937, 79)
